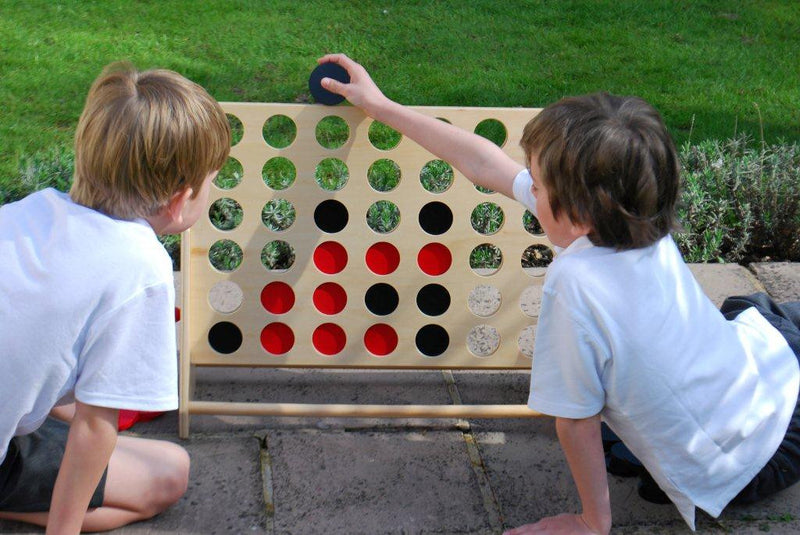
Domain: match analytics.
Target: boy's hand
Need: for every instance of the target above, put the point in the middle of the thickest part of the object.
(566, 524)
(361, 91)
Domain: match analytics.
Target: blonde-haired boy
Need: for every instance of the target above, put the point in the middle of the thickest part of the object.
(88, 303)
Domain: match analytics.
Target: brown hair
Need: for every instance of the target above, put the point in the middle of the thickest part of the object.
(609, 163)
(142, 137)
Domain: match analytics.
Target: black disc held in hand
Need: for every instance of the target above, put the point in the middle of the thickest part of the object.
(327, 70)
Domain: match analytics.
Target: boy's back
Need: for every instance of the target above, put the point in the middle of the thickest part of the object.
(88, 305)
(81, 292)
(631, 335)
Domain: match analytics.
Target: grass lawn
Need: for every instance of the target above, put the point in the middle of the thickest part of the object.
(713, 68)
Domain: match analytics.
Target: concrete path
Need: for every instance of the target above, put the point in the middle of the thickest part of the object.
(349, 476)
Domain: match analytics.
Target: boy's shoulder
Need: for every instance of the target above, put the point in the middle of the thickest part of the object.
(61, 234)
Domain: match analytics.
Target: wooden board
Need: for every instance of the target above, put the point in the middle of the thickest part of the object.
(230, 319)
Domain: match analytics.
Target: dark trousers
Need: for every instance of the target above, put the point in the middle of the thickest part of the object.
(783, 469)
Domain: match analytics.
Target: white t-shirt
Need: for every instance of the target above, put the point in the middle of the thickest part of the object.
(87, 313)
(703, 402)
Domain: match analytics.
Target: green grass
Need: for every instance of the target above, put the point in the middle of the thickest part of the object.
(714, 69)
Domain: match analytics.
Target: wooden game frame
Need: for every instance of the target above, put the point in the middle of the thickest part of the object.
(509, 321)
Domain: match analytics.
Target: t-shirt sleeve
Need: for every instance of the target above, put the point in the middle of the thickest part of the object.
(129, 360)
(522, 190)
(566, 375)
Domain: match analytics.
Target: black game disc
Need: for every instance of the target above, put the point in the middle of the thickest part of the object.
(327, 70)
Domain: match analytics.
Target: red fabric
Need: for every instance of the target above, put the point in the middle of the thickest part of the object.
(128, 418)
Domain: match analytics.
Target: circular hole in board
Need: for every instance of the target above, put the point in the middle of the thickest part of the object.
(279, 173)
(380, 339)
(433, 299)
(493, 130)
(525, 341)
(383, 175)
(279, 131)
(332, 132)
(331, 216)
(432, 340)
(383, 216)
(535, 259)
(530, 301)
(382, 258)
(331, 174)
(483, 340)
(329, 339)
(225, 297)
(237, 128)
(330, 257)
(383, 137)
(230, 175)
(436, 176)
(434, 259)
(277, 297)
(484, 300)
(381, 299)
(531, 224)
(278, 215)
(225, 337)
(487, 218)
(277, 338)
(486, 259)
(435, 218)
(329, 298)
(277, 255)
(225, 214)
(225, 255)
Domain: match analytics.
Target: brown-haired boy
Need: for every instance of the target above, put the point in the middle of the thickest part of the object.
(706, 399)
(88, 304)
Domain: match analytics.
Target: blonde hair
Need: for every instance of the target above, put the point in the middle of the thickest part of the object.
(142, 137)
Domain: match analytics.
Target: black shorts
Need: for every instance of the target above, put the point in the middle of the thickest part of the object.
(783, 469)
(28, 473)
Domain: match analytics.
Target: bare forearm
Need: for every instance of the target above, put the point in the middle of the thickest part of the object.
(91, 440)
(480, 160)
(583, 448)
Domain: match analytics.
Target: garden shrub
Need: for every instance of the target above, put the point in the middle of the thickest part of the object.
(740, 201)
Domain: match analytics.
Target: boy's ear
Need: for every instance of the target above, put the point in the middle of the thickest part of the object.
(174, 208)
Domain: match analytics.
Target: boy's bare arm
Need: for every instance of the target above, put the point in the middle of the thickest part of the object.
(480, 160)
(91, 440)
(583, 448)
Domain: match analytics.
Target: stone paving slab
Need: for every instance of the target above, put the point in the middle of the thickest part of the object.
(374, 482)
(781, 279)
(724, 280)
(225, 493)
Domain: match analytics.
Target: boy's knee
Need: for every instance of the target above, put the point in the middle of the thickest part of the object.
(171, 482)
(178, 479)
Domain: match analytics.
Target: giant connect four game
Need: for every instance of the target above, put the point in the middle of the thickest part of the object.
(336, 242)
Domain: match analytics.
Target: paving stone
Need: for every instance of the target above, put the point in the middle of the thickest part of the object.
(781, 279)
(368, 482)
(225, 492)
(720, 281)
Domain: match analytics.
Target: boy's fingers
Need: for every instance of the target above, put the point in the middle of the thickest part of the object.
(340, 59)
(334, 86)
